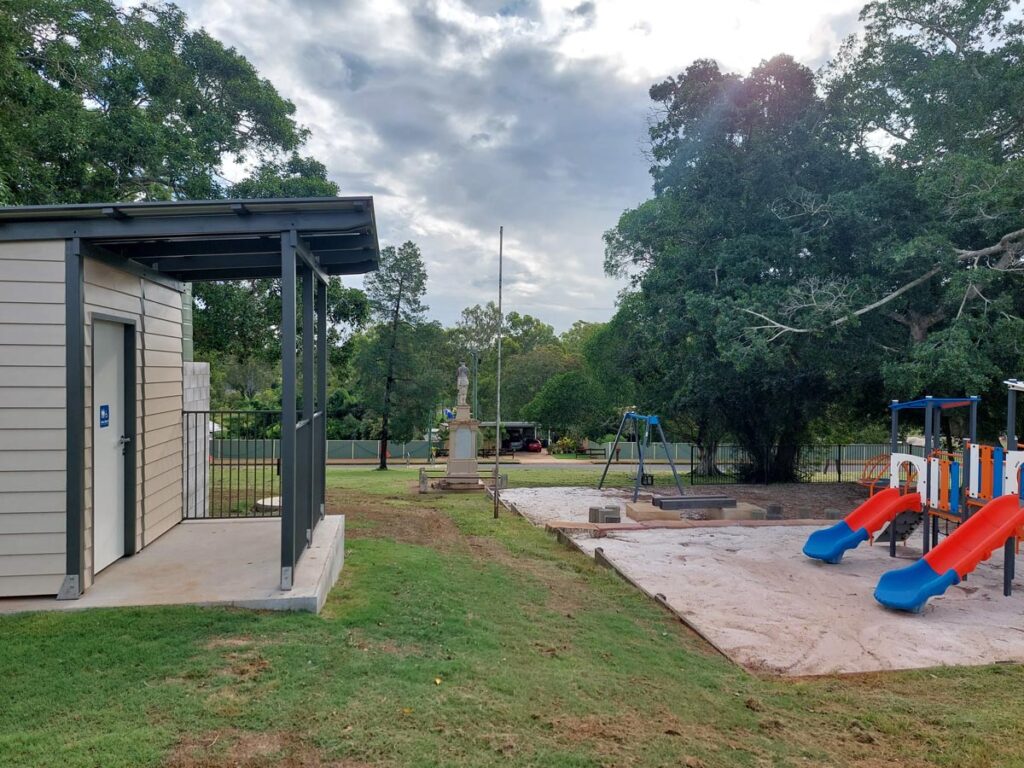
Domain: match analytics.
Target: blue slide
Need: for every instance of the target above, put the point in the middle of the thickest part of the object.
(830, 544)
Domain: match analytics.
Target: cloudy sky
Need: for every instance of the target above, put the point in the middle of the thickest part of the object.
(462, 115)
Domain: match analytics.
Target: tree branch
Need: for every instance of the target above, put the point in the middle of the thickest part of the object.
(782, 329)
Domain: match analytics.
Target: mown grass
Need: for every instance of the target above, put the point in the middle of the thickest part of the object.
(457, 639)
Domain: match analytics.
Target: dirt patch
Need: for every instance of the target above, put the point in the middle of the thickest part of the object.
(358, 639)
(610, 735)
(235, 641)
(247, 666)
(387, 519)
(249, 749)
(798, 500)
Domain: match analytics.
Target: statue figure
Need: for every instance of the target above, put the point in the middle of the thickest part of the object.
(463, 383)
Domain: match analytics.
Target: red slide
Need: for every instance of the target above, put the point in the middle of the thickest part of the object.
(865, 521)
(975, 540)
(908, 589)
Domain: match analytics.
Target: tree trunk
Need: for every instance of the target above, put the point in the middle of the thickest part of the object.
(707, 450)
(782, 468)
(390, 381)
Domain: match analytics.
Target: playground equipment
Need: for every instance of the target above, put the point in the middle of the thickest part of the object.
(643, 427)
(829, 544)
(931, 489)
(995, 524)
(995, 486)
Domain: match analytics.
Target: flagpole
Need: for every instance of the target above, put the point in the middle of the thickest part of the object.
(497, 417)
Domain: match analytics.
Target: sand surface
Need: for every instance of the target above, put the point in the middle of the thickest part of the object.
(542, 505)
(755, 596)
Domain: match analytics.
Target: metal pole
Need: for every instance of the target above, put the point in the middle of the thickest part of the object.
(640, 461)
(308, 399)
(497, 409)
(321, 396)
(476, 381)
(1010, 548)
(288, 414)
(615, 444)
(937, 440)
(966, 483)
(661, 434)
(895, 427)
(1011, 419)
(928, 424)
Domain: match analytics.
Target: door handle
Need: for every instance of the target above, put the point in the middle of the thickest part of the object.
(124, 441)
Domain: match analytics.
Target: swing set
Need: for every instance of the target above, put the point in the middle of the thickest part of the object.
(642, 427)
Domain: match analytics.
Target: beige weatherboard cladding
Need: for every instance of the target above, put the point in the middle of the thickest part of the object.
(33, 401)
(32, 418)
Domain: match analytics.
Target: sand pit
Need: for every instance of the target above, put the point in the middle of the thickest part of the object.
(752, 593)
(543, 505)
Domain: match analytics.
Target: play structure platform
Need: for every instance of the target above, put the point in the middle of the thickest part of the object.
(949, 487)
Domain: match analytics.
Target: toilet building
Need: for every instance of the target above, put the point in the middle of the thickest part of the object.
(92, 449)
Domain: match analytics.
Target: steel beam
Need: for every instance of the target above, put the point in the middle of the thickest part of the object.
(152, 250)
(311, 261)
(308, 395)
(184, 225)
(289, 418)
(321, 393)
(74, 372)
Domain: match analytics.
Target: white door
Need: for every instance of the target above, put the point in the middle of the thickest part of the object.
(108, 427)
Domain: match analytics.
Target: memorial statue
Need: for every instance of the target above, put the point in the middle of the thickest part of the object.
(463, 383)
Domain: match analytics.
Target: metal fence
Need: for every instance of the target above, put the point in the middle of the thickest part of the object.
(812, 463)
(236, 472)
(337, 450)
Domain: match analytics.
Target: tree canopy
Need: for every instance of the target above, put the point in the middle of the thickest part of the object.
(108, 103)
(811, 239)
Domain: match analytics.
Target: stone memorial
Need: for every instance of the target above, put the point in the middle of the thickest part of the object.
(462, 473)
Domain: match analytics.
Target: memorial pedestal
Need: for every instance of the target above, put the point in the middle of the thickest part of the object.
(462, 474)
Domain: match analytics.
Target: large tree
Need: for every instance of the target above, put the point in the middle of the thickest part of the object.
(108, 103)
(932, 92)
(731, 155)
(395, 292)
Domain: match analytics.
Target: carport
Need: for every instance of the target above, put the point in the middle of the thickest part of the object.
(112, 272)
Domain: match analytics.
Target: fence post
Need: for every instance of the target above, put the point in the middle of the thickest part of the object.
(839, 463)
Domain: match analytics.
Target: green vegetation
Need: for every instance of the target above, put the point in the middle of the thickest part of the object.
(819, 244)
(454, 639)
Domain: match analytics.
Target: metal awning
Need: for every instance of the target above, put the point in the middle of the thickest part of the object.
(201, 240)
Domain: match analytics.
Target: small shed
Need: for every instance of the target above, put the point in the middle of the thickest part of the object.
(91, 370)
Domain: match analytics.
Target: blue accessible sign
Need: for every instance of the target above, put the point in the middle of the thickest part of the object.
(104, 416)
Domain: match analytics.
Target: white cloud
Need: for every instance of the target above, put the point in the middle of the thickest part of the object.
(463, 115)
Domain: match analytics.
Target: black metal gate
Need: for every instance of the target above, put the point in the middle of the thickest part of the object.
(232, 464)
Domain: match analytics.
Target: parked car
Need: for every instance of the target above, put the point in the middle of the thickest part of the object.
(533, 445)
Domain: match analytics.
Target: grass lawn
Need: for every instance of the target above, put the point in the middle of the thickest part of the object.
(455, 639)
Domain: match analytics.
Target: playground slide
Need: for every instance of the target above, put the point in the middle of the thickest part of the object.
(908, 589)
(829, 544)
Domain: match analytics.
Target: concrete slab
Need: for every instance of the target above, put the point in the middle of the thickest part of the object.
(213, 563)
